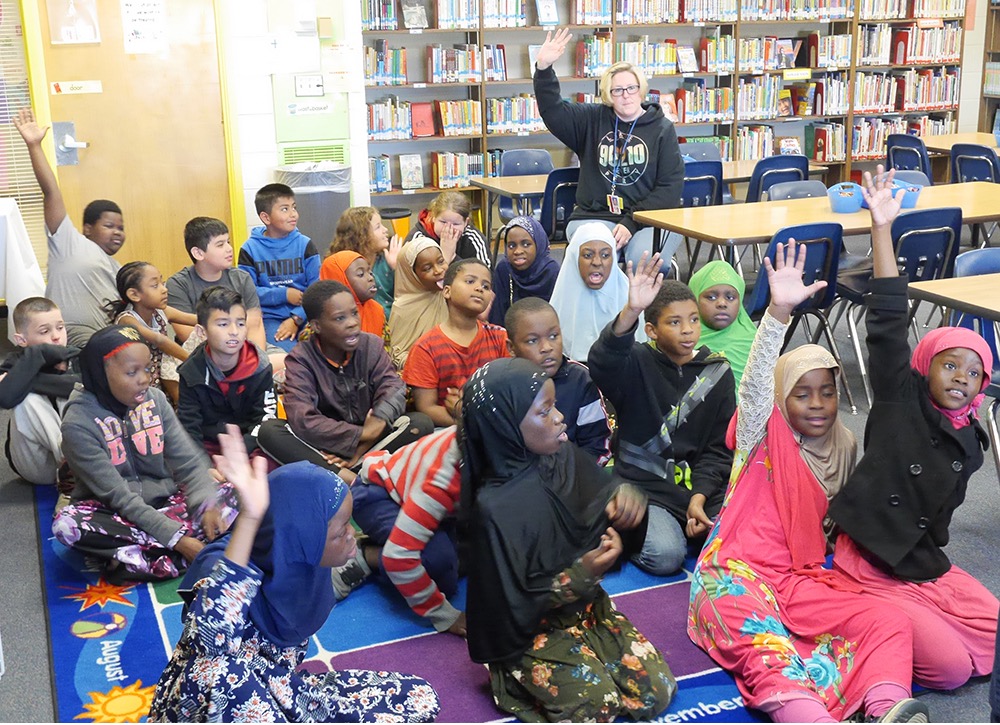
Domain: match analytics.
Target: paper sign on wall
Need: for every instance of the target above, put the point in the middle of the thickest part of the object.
(73, 21)
(144, 26)
(64, 88)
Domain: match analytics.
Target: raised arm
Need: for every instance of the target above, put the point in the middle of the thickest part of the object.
(757, 386)
(53, 205)
(567, 121)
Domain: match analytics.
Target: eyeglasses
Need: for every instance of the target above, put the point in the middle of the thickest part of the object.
(626, 91)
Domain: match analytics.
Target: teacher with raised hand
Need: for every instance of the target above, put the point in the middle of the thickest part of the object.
(629, 158)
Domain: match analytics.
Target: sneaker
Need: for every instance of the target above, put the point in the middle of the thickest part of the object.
(908, 710)
(351, 575)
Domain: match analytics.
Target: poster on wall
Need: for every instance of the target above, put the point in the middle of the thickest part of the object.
(73, 22)
(144, 25)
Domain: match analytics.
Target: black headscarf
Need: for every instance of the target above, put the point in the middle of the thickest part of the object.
(529, 516)
(102, 346)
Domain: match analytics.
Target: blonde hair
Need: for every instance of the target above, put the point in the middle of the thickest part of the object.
(622, 67)
(354, 231)
(454, 201)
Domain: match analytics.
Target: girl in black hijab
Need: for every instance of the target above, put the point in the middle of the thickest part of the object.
(542, 518)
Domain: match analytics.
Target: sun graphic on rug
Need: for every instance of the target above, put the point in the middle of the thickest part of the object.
(100, 594)
(122, 704)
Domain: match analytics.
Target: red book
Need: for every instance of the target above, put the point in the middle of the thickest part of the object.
(422, 119)
(900, 44)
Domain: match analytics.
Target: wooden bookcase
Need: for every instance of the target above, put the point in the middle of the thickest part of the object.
(864, 86)
(991, 70)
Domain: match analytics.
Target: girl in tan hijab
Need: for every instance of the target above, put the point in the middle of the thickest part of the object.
(419, 304)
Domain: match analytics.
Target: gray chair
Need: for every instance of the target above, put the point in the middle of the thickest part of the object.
(796, 190)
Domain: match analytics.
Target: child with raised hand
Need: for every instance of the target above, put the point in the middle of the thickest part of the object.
(674, 400)
(543, 521)
(254, 598)
(589, 290)
(802, 646)
(533, 333)
(354, 272)
(726, 327)
(419, 304)
(922, 444)
(142, 299)
(361, 230)
(144, 499)
(446, 221)
(525, 270)
(445, 357)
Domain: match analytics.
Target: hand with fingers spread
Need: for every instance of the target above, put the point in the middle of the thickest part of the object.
(392, 251)
(250, 481)
(784, 278)
(877, 191)
(553, 48)
(29, 129)
(643, 283)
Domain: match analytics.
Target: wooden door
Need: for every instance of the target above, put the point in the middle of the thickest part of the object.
(155, 132)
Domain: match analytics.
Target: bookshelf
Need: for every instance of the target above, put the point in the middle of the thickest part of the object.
(991, 70)
(749, 75)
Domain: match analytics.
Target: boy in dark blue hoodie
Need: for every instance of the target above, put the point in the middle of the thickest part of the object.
(282, 262)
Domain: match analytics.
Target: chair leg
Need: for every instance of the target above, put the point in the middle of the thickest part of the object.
(853, 317)
(824, 325)
(993, 429)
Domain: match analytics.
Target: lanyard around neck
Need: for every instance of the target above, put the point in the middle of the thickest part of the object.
(620, 154)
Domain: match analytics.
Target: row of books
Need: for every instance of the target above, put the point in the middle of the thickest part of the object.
(991, 78)
(593, 12)
(697, 103)
(655, 58)
(894, 9)
(870, 134)
(631, 12)
(928, 89)
(384, 66)
(461, 63)
(754, 142)
(704, 11)
(937, 9)
(496, 62)
(504, 14)
(457, 14)
(390, 119)
(594, 54)
(379, 174)
(379, 15)
(829, 51)
(513, 115)
(825, 142)
(796, 9)
(913, 44)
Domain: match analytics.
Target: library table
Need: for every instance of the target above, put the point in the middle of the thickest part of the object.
(735, 225)
(520, 188)
(944, 142)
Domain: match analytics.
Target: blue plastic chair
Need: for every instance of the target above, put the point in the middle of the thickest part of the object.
(702, 183)
(558, 201)
(705, 151)
(926, 243)
(974, 162)
(824, 242)
(912, 176)
(522, 162)
(774, 170)
(903, 151)
(970, 264)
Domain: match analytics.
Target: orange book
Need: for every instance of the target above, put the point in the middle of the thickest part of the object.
(422, 119)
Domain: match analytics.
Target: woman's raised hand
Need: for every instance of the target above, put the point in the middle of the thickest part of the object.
(785, 280)
(553, 48)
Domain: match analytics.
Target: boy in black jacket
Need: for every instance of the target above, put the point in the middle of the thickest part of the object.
(227, 379)
(674, 401)
(35, 382)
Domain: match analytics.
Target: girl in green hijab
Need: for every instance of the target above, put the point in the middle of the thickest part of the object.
(725, 325)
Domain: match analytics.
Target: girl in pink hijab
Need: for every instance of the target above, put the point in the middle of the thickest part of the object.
(922, 444)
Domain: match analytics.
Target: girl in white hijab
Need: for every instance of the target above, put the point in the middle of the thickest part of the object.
(590, 289)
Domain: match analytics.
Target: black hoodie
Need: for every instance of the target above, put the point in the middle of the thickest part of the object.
(651, 172)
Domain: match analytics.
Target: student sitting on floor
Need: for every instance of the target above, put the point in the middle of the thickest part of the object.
(446, 221)
(35, 383)
(353, 271)
(726, 326)
(540, 513)
(211, 251)
(525, 270)
(282, 262)
(802, 647)
(590, 289)
(255, 597)
(144, 499)
(343, 396)
(674, 401)
(361, 230)
(533, 333)
(444, 358)
(403, 503)
(142, 298)
(922, 444)
(419, 304)
(227, 379)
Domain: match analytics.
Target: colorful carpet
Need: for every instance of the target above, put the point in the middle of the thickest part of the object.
(110, 643)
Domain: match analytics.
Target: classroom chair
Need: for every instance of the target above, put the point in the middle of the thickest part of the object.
(974, 162)
(912, 176)
(774, 170)
(926, 242)
(522, 162)
(806, 189)
(824, 242)
(558, 201)
(970, 264)
(706, 151)
(903, 151)
(702, 187)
